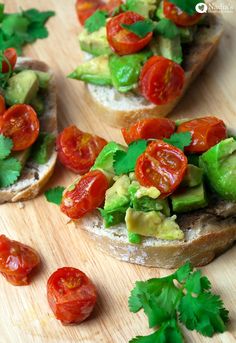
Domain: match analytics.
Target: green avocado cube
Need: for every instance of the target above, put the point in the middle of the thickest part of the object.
(95, 43)
(193, 176)
(118, 196)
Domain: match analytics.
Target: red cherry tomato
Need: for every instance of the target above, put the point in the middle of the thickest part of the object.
(2, 105)
(158, 128)
(21, 124)
(11, 55)
(123, 41)
(77, 150)
(178, 16)
(162, 166)
(84, 195)
(161, 80)
(17, 261)
(110, 5)
(71, 295)
(206, 132)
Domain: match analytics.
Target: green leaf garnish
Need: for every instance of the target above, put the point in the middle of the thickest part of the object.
(54, 195)
(124, 162)
(43, 148)
(140, 28)
(179, 140)
(9, 171)
(6, 145)
(167, 28)
(188, 6)
(96, 21)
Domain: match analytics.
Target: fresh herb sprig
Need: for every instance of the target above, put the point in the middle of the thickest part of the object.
(54, 195)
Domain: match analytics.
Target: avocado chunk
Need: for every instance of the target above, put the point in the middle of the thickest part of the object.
(125, 70)
(193, 176)
(95, 43)
(145, 8)
(38, 105)
(22, 88)
(159, 12)
(187, 34)
(134, 238)
(112, 218)
(170, 48)
(153, 224)
(189, 199)
(219, 167)
(117, 196)
(43, 78)
(95, 71)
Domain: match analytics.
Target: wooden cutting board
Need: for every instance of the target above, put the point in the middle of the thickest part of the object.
(24, 311)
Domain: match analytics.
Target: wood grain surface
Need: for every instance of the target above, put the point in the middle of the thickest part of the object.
(24, 311)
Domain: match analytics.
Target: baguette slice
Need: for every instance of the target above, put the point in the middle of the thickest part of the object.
(34, 176)
(208, 233)
(122, 110)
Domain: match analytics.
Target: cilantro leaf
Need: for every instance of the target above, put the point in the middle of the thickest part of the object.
(196, 283)
(9, 171)
(6, 145)
(14, 23)
(167, 28)
(183, 272)
(205, 313)
(96, 21)
(43, 148)
(140, 28)
(179, 140)
(124, 162)
(36, 16)
(54, 195)
(188, 6)
(1, 12)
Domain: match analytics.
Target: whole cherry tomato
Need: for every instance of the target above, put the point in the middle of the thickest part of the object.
(2, 105)
(120, 39)
(77, 150)
(149, 128)
(162, 166)
(17, 261)
(161, 80)
(71, 295)
(179, 17)
(21, 124)
(11, 55)
(84, 195)
(206, 132)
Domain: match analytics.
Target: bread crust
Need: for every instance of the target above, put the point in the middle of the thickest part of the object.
(34, 176)
(198, 55)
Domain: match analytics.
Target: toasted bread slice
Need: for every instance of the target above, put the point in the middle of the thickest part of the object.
(35, 176)
(122, 110)
(208, 233)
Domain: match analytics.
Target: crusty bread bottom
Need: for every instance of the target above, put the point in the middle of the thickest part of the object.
(208, 233)
(122, 110)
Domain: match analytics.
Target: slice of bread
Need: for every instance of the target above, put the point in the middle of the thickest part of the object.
(34, 176)
(208, 233)
(122, 110)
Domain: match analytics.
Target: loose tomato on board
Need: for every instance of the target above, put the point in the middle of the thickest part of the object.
(11, 55)
(179, 17)
(2, 105)
(77, 150)
(84, 195)
(158, 128)
(123, 41)
(206, 132)
(21, 124)
(161, 80)
(17, 261)
(162, 166)
(71, 295)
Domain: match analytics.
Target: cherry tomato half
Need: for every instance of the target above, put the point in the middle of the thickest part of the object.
(2, 105)
(11, 55)
(71, 295)
(84, 195)
(17, 261)
(161, 80)
(123, 41)
(206, 132)
(162, 166)
(21, 124)
(110, 5)
(77, 150)
(158, 128)
(178, 16)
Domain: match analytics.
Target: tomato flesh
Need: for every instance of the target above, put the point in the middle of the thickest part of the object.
(122, 41)
(179, 17)
(2, 105)
(84, 195)
(71, 295)
(162, 166)
(78, 150)
(206, 132)
(21, 124)
(17, 260)
(11, 55)
(158, 128)
(161, 80)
